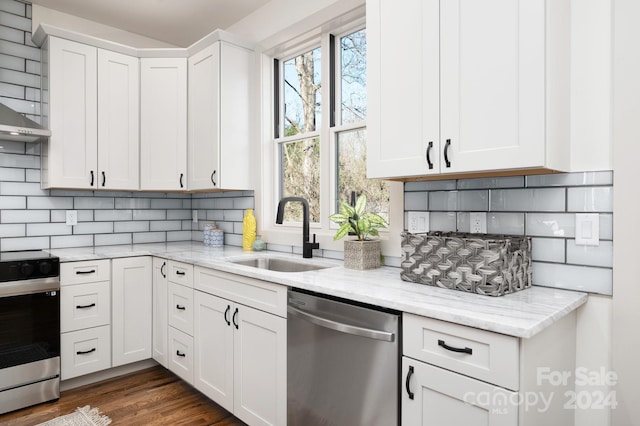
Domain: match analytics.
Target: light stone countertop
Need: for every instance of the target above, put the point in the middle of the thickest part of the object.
(521, 314)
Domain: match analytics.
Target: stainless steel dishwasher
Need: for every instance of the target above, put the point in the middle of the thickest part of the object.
(343, 363)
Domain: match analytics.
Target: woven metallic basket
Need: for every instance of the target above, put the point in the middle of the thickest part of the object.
(493, 265)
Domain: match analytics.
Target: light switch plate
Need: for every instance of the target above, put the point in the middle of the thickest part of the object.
(418, 221)
(72, 217)
(587, 229)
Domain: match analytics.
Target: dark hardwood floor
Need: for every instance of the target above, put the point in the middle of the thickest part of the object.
(153, 396)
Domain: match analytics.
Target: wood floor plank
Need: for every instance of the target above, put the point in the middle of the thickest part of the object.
(154, 396)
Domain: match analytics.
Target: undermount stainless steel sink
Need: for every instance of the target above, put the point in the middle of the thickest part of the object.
(279, 265)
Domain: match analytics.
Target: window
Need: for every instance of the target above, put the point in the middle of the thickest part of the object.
(317, 142)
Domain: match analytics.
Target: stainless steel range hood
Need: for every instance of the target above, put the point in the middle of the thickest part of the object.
(16, 127)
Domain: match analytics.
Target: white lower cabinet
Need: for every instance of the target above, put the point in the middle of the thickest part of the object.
(442, 397)
(132, 312)
(180, 354)
(240, 351)
(458, 375)
(85, 351)
(159, 317)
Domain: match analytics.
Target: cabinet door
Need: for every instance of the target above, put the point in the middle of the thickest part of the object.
(118, 121)
(131, 300)
(260, 367)
(159, 318)
(213, 336)
(403, 126)
(163, 123)
(492, 84)
(70, 156)
(442, 397)
(204, 118)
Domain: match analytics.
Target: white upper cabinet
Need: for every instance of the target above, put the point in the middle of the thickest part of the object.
(118, 121)
(93, 115)
(163, 124)
(467, 87)
(70, 79)
(219, 118)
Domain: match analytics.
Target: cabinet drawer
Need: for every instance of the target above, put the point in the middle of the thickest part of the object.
(90, 271)
(181, 354)
(85, 351)
(180, 273)
(181, 308)
(85, 306)
(257, 294)
(487, 356)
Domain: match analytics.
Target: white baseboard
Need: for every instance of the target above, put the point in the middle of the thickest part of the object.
(106, 374)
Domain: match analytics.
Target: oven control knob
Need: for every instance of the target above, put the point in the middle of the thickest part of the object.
(44, 267)
(26, 269)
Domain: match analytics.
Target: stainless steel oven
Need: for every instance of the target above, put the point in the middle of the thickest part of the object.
(29, 329)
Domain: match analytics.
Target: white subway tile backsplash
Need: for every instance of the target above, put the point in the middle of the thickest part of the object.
(22, 188)
(113, 215)
(13, 230)
(71, 241)
(15, 21)
(149, 214)
(132, 226)
(600, 255)
(333, 254)
(24, 216)
(178, 214)
(50, 203)
(41, 229)
(93, 203)
(61, 215)
(223, 203)
(178, 235)
(19, 160)
(416, 201)
(93, 228)
(12, 175)
(214, 215)
(233, 240)
(168, 203)
(443, 221)
(505, 223)
(132, 203)
(27, 243)
(571, 179)
(149, 237)
(12, 147)
(233, 215)
(32, 175)
(598, 199)
(243, 203)
(112, 194)
(12, 202)
(581, 278)
(548, 249)
(489, 183)
(227, 227)
(237, 227)
(528, 200)
(203, 203)
(606, 226)
(165, 225)
(14, 7)
(551, 225)
(112, 239)
(443, 201)
(276, 247)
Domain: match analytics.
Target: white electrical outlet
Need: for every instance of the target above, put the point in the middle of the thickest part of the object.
(194, 216)
(417, 221)
(478, 223)
(72, 217)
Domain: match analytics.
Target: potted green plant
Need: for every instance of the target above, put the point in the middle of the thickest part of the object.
(363, 252)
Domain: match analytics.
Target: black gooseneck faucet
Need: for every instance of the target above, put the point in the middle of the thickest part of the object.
(307, 247)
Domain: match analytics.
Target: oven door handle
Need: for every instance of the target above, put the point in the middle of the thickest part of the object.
(341, 327)
(32, 286)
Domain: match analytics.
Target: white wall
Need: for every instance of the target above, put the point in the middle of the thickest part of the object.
(42, 14)
(626, 154)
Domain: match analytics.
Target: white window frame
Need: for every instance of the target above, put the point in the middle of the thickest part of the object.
(267, 188)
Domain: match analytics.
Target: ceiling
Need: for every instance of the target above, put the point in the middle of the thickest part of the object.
(178, 22)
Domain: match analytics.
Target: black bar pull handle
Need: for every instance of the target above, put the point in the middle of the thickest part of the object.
(91, 184)
(180, 308)
(85, 306)
(104, 178)
(441, 343)
(429, 148)
(93, 271)
(212, 176)
(180, 273)
(446, 153)
(86, 352)
(406, 383)
(226, 315)
(181, 354)
(181, 176)
(235, 315)
(162, 270)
